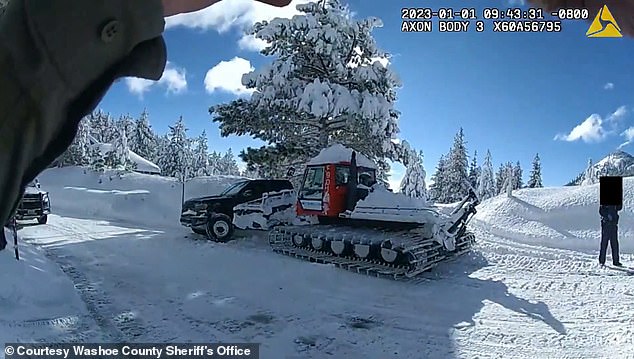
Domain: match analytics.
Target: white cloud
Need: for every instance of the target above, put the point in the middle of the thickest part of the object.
(608, 86)
(594, 128)
(590, 130)
(251, 43)
(618, 114)
(173, 78)
(629, 136)
(227, 76)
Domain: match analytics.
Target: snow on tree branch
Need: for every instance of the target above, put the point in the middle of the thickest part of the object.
(323, 86)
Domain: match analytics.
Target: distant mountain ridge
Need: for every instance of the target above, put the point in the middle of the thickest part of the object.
(617, 163)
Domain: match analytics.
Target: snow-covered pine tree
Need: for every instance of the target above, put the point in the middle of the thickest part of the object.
(413, 182)
(486, 181)
(500, 178)
(590, 175)
(119, 156)
(437, 190)
(102, 127)
(144, 141)
(457, 170)
(201, 155)
(79, 152)
(126, 122)
(324, 86)
(213, 167)
(510, 180)
(98, 162)
(228, 165)
(518, 182)
(535, 179)
(161, 149)
(474, 170)
(175, 160)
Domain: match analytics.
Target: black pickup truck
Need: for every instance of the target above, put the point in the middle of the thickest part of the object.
(213, 215)
(35, 204)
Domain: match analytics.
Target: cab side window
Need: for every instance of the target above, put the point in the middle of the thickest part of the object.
(342, 175)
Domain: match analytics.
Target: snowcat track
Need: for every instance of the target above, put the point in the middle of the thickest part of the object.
(280, 240)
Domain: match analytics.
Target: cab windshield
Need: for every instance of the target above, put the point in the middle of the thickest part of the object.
(234, 188)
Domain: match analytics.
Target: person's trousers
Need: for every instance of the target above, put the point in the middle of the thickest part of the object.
(609, 234)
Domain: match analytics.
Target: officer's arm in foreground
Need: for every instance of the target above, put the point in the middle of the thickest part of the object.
(57, 60)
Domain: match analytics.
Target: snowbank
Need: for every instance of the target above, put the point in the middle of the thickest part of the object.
(132, 197)
(561, 217)
(38, 301)
(339, 153)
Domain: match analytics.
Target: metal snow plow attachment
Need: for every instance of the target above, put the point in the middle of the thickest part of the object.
(396, 243)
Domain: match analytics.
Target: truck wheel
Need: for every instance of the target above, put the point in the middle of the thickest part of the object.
(220, 227)
(43, 219)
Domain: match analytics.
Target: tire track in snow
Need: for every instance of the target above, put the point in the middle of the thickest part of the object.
(116, 325)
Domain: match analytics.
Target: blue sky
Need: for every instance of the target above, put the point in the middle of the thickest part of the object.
(563, 95)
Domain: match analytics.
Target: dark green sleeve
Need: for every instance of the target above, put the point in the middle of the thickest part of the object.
(57, 60)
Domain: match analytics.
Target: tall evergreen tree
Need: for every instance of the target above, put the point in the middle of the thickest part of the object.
(413, 182)
(214, 165)
(228, 164)
(102, 127)
(474, 170)
(324, 86)
(79, 152)
(126, 124)
(438, 188)
(457, 170)
(175, 161)
(509, 181)
(201, 155)
(145, 141)
(535, 179)
(518, 182)
(486, 181)
(500, 178)
(119, 156)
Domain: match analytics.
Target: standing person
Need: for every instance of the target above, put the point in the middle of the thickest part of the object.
(609, 233)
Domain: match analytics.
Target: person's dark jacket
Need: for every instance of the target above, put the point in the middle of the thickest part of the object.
(57, 60)
(609, 214)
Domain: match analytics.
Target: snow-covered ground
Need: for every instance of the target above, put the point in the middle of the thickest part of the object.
(516, 296)
(560, 217)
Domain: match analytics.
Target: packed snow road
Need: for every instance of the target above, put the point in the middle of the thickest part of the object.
(506, 300)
